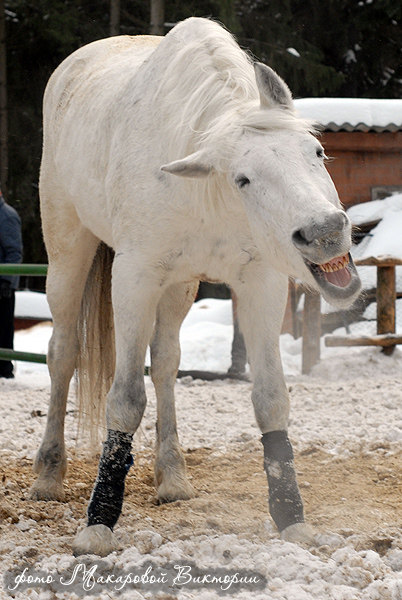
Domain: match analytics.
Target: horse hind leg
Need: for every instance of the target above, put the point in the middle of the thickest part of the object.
(170, 469)
(67, 274)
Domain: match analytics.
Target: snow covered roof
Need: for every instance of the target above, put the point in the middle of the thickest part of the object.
(352, 114)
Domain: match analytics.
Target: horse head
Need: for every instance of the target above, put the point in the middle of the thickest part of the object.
(277, 170)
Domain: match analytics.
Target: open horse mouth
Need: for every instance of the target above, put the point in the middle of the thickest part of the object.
(335, 271)
(337, 278)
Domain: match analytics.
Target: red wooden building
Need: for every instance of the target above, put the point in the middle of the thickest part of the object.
(363, 138)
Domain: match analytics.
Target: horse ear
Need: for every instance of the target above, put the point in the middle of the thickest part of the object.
(194, 165)
(273, 90)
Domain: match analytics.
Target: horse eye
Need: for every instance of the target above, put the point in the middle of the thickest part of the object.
(320, 153)
(241, 181)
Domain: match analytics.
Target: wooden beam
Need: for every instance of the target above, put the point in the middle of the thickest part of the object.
(378, 261)
(385, 340)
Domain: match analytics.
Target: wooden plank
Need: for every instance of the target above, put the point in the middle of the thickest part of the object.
(385, 340)
(378, 261)
(364, 227)
(311, 331)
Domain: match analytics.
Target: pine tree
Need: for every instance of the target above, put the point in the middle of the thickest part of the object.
(334, 48)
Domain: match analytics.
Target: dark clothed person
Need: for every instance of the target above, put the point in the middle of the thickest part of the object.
(10, 252)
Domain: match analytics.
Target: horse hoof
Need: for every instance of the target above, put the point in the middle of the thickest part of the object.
(47, 490)
(173, 492)
(95, 539)
(300, 533)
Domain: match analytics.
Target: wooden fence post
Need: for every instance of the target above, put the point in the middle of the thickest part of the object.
(311, 331)
(386, 297)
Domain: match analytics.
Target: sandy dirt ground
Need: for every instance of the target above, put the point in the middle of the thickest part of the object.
(359, 494)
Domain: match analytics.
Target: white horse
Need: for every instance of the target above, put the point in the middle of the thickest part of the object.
(190, 163)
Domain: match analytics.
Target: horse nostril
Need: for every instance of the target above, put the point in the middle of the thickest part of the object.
(300, 238)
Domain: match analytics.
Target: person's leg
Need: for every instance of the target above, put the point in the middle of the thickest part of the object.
(7, 306)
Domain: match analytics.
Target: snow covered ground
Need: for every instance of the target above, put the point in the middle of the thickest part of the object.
(346, 427)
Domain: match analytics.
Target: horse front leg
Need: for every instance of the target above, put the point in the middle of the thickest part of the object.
(135, 298)
(261, 309)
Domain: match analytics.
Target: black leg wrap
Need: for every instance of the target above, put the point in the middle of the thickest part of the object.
(107, 497)
(285, 503)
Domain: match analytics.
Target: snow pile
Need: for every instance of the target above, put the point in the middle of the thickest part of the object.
(280, 571)
(376, 210)
(386, 238)
(206, 336)
(383, 240)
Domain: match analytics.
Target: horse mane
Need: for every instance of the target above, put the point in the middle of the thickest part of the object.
(211, 93)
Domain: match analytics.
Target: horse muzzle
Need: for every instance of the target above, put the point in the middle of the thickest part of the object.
(324, 247)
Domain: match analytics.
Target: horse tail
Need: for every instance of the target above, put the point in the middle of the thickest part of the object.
(96, 357)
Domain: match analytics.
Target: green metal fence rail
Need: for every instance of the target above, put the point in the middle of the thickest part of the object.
(6, 354)
(22, 269)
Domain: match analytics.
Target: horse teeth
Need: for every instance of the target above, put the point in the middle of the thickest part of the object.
(330, 267)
